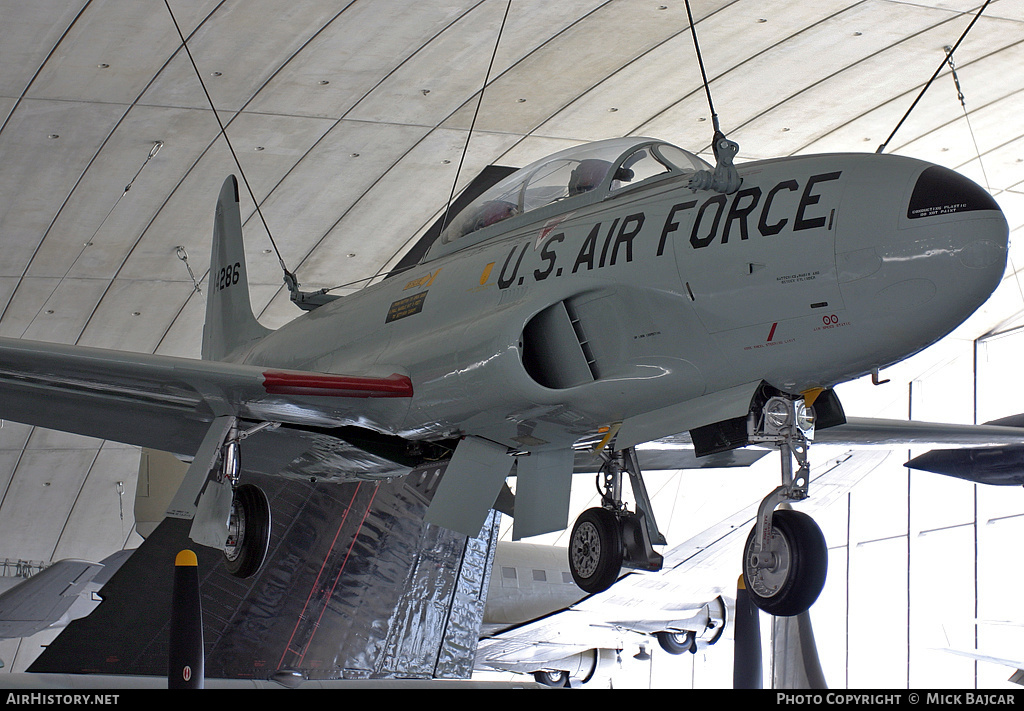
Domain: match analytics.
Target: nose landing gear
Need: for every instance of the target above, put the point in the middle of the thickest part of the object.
(785, 559)
(785, 577)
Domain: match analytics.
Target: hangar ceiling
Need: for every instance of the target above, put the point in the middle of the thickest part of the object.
(350, 119)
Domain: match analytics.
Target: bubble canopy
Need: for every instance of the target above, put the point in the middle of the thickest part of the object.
(569, 179)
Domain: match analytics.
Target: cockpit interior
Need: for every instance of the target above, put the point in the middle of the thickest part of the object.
(566, 180)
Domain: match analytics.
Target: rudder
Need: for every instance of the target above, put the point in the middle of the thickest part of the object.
(230, 323)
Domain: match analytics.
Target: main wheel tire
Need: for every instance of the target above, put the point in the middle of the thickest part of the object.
(595, 550)
(793, 584)
(248, 531)
(556, 679)
(677, 642)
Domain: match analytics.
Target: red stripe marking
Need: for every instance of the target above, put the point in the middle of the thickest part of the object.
(771, 333)
(316, 582)
(277, 382)
(330, 593)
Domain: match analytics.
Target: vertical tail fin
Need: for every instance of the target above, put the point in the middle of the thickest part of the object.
(230, 323)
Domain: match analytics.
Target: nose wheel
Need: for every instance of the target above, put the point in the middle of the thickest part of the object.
(785, 559)
(785, 577)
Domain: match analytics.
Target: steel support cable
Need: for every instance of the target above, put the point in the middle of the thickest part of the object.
(458, 171)
(963, 104)
(882, 147)
(703, 74)
(476, 112)
(977, 151)
(223, 132)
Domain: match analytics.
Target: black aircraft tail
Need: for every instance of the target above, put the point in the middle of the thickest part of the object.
(355, 586)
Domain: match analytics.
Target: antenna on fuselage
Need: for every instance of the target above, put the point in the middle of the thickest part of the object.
(725, 178)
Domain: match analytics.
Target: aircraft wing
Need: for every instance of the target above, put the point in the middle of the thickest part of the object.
(861, 431)
(695, 573)
(872, 431)
(166, 402)
(53, 597)
(1018, 675)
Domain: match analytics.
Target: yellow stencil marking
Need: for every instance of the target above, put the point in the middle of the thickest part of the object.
(487, 274)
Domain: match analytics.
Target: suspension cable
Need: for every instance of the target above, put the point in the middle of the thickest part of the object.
(703, 74)
(223, 132)
(157, 145)
(476, 112)
(929, 83)
(963, 104)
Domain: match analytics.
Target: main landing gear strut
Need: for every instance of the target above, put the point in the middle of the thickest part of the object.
(225, 514)
(609, 537)
(248, 529)
(785, 559)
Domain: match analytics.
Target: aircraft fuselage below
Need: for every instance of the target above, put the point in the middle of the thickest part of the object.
(818, 270)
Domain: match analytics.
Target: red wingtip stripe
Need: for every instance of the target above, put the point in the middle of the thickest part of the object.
(325, 385)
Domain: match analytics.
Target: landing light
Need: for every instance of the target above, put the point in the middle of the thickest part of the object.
(777, 413)
(780, 413)
(805, 418)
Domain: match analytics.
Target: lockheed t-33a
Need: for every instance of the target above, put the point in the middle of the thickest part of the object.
(611, 294)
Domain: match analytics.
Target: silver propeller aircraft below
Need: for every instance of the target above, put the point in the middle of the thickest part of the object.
(606, 296)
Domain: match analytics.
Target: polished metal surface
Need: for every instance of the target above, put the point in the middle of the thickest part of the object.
(356, 586)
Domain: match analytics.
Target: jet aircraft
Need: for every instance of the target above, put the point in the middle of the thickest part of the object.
(608, 295)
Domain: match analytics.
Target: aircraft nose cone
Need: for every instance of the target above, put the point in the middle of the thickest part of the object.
(941, 191)
(952, 218)
(949, 228)
(930, 250)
